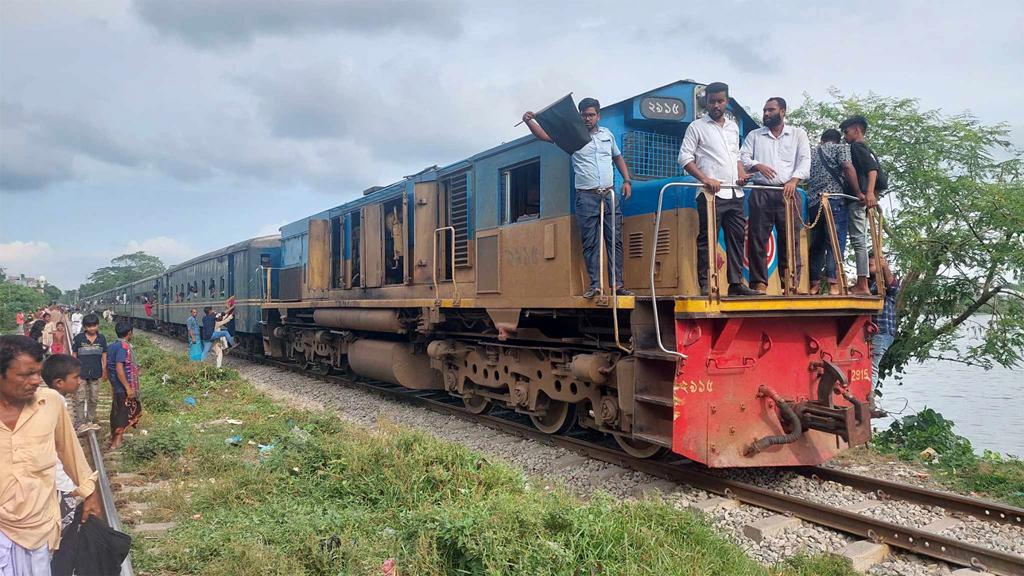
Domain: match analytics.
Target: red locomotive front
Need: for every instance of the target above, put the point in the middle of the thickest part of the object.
(771, 390)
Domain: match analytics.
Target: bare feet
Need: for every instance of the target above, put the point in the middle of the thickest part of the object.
(759, 286)
(815, 288)
(861, 287)
(833, 289)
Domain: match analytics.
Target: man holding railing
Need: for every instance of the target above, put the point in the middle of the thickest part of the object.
(711, 153)
(774, 155)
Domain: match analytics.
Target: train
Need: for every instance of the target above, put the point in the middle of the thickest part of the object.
(469, 279)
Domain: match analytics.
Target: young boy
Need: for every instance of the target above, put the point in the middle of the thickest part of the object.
(61, 373)
(90, 347)
(123, 373)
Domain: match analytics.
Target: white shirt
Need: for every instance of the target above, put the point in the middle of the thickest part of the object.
(715, 149)
(789, 154)
(592, 164)
(76, 322)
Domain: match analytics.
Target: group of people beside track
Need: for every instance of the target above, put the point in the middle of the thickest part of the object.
(777, 155)
(210, 333)
(45, 480)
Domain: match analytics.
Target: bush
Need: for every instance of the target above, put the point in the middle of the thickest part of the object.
(168, 442)
(927, 429)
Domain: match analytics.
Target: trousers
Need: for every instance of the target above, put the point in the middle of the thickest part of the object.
(820, 253)
(588, 218)
(729, 217)
(207, 344)
(880, 344)
(858, 216)
(767, 211)
(86, 398)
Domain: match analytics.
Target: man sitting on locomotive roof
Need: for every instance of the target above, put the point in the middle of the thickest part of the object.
(711, 153)
(775, 155)
(592, 166)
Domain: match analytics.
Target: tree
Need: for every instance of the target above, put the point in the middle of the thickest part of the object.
(14, 299)
(124, 269)
(955, 227)
(51, 293)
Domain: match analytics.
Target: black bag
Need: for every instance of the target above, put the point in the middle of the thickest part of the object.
(93, 549)
(881, 178)
(563, 124)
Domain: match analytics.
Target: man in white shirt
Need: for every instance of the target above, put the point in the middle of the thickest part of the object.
(711, 153)
(76, 322)
(775, 155)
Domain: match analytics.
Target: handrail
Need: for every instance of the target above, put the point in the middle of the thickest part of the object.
(433, 271)
(107, 497)
(615, 280)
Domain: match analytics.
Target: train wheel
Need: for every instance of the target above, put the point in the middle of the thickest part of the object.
(638, 448)
(559, 417)
(477, 404)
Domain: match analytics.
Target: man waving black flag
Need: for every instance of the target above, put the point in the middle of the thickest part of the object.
(562, 123)
(594, 152)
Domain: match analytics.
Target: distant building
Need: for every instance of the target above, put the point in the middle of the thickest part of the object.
(21, 280)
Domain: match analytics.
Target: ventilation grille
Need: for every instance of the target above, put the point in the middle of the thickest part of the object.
(664, 242)
(636, 245)
(457, 187)
(651, 156)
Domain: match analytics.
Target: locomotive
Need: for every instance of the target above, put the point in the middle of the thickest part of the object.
(468, 279)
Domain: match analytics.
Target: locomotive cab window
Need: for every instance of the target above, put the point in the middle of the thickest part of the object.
(355, 248)
(521, 192)
(394, 242)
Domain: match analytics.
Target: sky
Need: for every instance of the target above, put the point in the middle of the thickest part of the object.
(178, 127)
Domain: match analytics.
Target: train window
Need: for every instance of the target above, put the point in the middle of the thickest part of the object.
(394, 242)
(521, 192)
(204, 289)
(337, 258)
(355, 278)
(213, 288)
(222, 286)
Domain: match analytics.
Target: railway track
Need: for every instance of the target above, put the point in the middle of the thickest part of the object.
(909, 539)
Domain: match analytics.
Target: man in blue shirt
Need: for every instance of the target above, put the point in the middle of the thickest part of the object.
(595, 181)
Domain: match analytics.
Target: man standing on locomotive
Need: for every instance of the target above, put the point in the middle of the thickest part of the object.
(774, 155)
(592, 166)
(711, 153)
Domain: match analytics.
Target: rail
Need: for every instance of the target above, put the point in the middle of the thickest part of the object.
(433, 272)
(107, 496)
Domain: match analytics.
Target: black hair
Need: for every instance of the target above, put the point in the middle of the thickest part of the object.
(589, 103)
(831, 135)
(12, 346)
(779, 100)
(857, 120)
(207, 309)
(123, 328)
(59, 367)
(90, 320)
(716, 87)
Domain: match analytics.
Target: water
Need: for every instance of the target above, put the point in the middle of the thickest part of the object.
(986, 406)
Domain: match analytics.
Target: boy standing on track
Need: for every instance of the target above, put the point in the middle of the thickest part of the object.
(90, 347)
(123, 372)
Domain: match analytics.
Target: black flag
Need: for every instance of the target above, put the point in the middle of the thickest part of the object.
(562, 122)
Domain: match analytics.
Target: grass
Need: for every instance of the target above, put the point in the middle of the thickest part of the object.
(329, 498)
(957, 465)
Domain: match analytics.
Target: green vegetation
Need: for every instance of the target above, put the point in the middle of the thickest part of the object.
(15, 298)
(123, 270)
(956, 226)
(956, 465)
(324, 497)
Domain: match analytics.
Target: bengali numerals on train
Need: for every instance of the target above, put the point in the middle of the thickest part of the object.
(694, 386)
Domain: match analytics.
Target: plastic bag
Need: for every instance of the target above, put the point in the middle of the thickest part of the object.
(195, 352)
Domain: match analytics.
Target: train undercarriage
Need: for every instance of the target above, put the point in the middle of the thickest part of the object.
(750, 392)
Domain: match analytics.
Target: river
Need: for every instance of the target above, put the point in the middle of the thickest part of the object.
(987, 406)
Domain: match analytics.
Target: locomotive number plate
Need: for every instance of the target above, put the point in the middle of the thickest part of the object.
(658, 108)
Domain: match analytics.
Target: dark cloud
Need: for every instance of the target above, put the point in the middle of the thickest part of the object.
(211, 23)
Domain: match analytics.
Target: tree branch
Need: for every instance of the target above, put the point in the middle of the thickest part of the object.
(969, 311)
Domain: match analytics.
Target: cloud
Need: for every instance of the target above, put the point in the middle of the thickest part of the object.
(271, 229)
(40, 148)
(23, 257)
(213, 23)
(169, 250)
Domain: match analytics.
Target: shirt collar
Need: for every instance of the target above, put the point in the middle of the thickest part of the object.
(786, 129)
